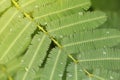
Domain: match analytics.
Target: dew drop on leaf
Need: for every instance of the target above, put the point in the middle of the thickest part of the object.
(107, 32)
(33, 70)
(60, 75)
(27, 38)
(45, 23)
(80, 70)
(104, 52)
(26, 69)
(69, 75)
(79, 56)
(11, 29)
(83, 28)
(61, 63)
(104, 46)
(19, 16)
(38, 39)
(36, 6)
(61, 36)
(22, 61)
(80, 13)
(111, 77)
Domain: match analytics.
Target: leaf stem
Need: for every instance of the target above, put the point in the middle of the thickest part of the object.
(30, 18)
(89, 74)
(74, 60)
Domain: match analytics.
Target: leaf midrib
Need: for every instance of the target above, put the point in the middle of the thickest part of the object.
(76, 74)
(75, 23)
(14, 41)
(34, 56)
(55, 64)
(11, 17)
(96, 39)
(63, 10)
(100, 59)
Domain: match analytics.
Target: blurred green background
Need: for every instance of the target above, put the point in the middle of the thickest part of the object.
(112, 10)
(106, 5)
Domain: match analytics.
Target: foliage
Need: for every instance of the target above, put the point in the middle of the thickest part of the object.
(56, 40)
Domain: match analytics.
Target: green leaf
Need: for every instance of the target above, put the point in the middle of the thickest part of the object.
(39, 74)
(75, 72)
(18, 41)
(18, 28)
(100, 58)
(34, 57)
(91, 40)
(104, 74)
(55, 7)
(15, 34)
(10, 19)
(6, 3)
(71, 24)
(76, 23)
(42, 10)
(55, 65)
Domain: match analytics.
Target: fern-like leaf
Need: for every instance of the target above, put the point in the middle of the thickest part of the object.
(11, 17)
(42, 10)
(103, 74)
(55, 65)
(55, 7)
(13, 47)
(101, 58)
(15, 34)
(39, 74)
(76, 23)
(34, 57)
(75, 72)
(91, 40)
(16, 18)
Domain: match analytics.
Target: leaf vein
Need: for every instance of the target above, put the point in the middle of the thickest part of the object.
(75, 23)
(97, 39)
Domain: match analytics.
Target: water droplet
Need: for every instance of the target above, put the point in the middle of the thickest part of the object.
(69, 75)
(33, 70)
(22, 61)
(83, 28)
(61, 36)
(80, 70)
(27, 38)
(11, 29)
(111, 77)
(60, 75)
(26, 69)
(19, 16)
(45, 23)
(104, 52)
(36, 6)
(80, 13)
(79, 56)
(32, 25)
(107, 32)
(104, 46)
(61, 63)
(38, 39)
